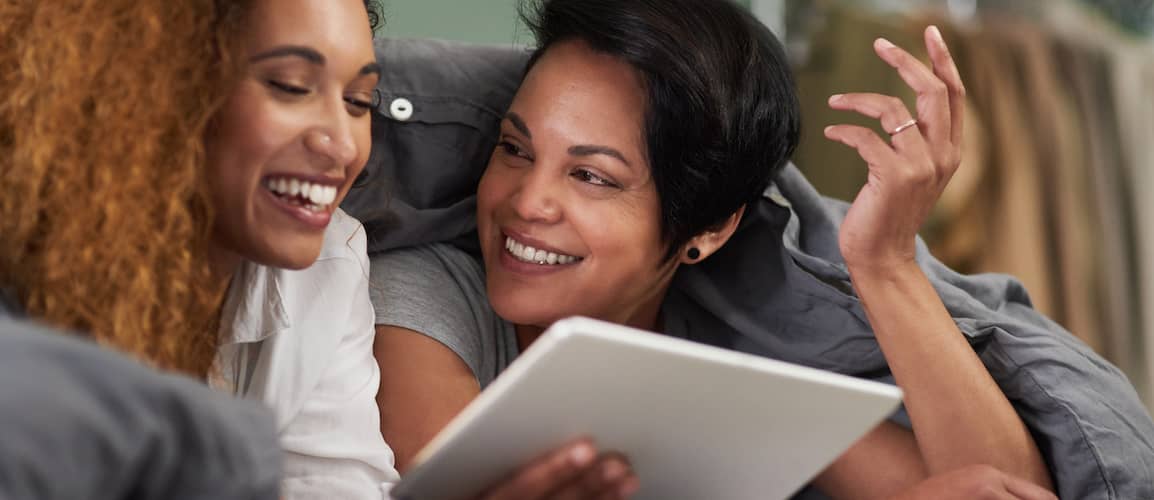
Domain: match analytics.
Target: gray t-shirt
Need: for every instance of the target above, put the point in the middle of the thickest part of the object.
(439, 291)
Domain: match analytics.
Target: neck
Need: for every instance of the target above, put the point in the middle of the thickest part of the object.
(223, 264)
(645, 316)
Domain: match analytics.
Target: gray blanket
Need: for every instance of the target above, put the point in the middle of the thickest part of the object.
(80, 421)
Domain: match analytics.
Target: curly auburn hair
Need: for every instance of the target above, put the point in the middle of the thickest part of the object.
(104, 215)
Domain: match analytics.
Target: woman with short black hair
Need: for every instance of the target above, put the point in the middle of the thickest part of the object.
(642, 132)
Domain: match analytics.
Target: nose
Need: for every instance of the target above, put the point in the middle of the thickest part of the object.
(536, 197)
(332, 137)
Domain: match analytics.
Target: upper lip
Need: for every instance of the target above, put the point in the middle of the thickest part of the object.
(312, 179)
(531, 241)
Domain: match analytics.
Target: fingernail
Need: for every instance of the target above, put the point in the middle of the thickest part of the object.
(581, 455)
(828, 129)
(885, 44)
(834, 99)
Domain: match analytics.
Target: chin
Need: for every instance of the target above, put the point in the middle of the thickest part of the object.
(526, 310)
(291, 257)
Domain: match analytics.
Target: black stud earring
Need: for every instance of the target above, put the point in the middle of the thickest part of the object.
(694, 254)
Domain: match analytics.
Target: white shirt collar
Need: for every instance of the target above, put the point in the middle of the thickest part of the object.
(254, 308)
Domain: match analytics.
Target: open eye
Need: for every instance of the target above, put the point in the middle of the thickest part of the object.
(588, 177)
(508, 148)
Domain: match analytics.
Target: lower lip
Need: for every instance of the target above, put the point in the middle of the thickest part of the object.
(518, 266)
(313, 220)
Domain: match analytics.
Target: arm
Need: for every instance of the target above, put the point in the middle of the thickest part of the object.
(436, 292)
(976, 482)
(879, 465)
(423, 385)
(960, 416)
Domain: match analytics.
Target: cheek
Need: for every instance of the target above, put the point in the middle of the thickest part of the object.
(492, 189)
(628, 227)
(246, 135)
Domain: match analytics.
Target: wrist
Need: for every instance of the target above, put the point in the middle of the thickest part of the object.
(882, 269)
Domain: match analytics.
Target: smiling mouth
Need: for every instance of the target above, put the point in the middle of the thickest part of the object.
(310, 196)
(526, 253)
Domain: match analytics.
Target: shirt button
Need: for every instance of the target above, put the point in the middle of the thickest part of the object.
(401, 109)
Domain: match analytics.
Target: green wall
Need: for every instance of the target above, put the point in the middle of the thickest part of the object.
(488, 21)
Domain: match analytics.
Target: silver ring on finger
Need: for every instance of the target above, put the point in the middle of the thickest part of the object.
(902, 128)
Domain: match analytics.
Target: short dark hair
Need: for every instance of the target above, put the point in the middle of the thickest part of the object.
(722, 114)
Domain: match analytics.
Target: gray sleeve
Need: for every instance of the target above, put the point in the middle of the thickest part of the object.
(439, 291)
(83, 422)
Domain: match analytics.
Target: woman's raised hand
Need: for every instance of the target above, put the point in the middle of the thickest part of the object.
(908, 173)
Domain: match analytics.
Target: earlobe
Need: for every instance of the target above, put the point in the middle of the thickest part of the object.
(709, 242)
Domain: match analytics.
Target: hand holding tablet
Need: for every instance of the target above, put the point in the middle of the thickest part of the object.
(695, 421)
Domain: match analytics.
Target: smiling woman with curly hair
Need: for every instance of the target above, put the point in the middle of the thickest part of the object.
(170, 171)
(104, 214)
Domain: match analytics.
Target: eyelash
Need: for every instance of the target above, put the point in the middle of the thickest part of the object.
(580, 174)
(288, 89)
(593, 179)
(293, 90)
(512, 149)
(362, 106)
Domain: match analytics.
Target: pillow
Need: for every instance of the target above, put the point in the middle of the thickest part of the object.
(435, 125)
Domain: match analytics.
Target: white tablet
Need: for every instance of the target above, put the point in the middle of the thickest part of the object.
(695, 421)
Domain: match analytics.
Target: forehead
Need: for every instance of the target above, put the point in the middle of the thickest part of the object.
(595, 97)
(334, 27)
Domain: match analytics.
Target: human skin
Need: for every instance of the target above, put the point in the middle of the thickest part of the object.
(600, 210)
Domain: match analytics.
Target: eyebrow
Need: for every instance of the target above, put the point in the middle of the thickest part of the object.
(312, 56)
(307, 53)
(590, 150)
(578, 150)
(371, 69)
(519, 124)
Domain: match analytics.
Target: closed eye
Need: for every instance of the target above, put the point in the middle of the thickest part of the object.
(287, 88)
(358, 107)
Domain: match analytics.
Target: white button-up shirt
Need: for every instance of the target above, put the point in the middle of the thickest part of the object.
(302, 343)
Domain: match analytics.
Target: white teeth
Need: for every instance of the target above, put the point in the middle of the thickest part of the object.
(316, 196)
(527, 253)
